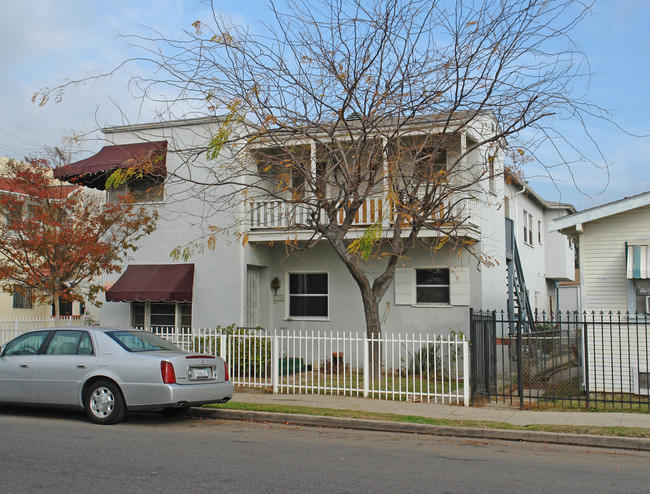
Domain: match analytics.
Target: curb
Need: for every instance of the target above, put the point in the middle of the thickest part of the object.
(631, 443)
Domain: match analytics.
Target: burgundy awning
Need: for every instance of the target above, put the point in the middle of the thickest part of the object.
(93, 171)
(154, 282)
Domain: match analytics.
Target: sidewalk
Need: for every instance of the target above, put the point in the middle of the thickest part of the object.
(439, 411)
(509, 415)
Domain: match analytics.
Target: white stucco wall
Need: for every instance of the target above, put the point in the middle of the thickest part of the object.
(345, 304)
(218, 274)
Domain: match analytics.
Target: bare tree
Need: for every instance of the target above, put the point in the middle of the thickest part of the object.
(391, 110)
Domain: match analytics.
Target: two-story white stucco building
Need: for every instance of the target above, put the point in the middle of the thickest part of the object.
(252, 277)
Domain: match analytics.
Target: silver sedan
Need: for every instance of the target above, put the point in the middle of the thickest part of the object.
(107, 372)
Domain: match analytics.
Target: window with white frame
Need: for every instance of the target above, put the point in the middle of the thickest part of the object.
(428, 286)
(640, 380)
(308, 295)
(144, 189)
(492, 174)
(528, 228)
(642, 292)
(539, 232)
(161, 315)
(432, 286)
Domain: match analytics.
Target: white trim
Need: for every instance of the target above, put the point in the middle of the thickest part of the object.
(599, 212)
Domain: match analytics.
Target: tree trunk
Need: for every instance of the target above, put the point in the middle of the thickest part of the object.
(57, 311)
(373, 328)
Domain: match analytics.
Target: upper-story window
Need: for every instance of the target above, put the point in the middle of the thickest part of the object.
(492, 174)
(145, 189)
(539, 232)
(528, 228)
(14, 215)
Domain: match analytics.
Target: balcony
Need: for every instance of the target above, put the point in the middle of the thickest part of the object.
(276, 219)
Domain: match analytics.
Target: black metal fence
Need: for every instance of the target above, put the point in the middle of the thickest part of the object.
(585, 360)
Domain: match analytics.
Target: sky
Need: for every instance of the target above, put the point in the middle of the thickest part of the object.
(46, 42)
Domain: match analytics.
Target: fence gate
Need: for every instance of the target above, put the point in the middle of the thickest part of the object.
(483, 355)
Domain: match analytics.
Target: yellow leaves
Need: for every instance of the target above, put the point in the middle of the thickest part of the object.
(197, 27)
(223, 39)
(363, 245)
(244, 241)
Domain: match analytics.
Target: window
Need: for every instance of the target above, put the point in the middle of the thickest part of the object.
(432, 286)
(528, 228)
(640, 380)
(33, 211)
(492, 173)
(23, 297)
(14, 214)
(644, 383)
(70, 343)
(539, 232)
(141, 341)
(161, 315)
(145, 189)
(65, 307)
(642, 291)
(27, 344)
(308, 295)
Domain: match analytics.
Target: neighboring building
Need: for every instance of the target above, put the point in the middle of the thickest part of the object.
(21, 304)
(257, 283)
(614, 259)
(613, 254)
(548, 258)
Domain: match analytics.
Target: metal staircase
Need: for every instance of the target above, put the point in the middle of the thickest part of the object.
(519, 310)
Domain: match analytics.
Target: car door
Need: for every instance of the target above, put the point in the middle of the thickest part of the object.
(17, 364)
(62, 368)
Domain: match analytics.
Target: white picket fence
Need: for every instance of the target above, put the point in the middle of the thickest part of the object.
(10, 328)
(418, 368)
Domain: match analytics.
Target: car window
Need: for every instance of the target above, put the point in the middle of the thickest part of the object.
(85, 345)
(141, 341)
(26, 344)
(69, 342)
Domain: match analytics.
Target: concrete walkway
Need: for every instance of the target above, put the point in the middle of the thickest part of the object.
(486, 413)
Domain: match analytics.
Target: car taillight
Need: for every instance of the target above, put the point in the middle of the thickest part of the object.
(225, 366)
(167, 371)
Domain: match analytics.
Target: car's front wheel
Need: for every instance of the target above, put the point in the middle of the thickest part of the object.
(104, 403)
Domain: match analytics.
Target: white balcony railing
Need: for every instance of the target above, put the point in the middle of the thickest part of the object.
(278, 214)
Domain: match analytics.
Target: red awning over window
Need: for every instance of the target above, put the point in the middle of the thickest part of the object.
(154, 282)
(92, 171)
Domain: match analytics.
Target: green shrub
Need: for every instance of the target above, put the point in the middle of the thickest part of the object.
(248, 353)
(430, 356)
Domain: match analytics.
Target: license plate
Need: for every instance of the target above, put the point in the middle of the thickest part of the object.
(201, 373)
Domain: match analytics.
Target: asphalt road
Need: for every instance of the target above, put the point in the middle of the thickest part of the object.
(57, 451)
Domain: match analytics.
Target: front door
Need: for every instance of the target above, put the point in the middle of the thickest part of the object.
(252, 298)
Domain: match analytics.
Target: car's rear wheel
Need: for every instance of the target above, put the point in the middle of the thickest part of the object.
(104, 403)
